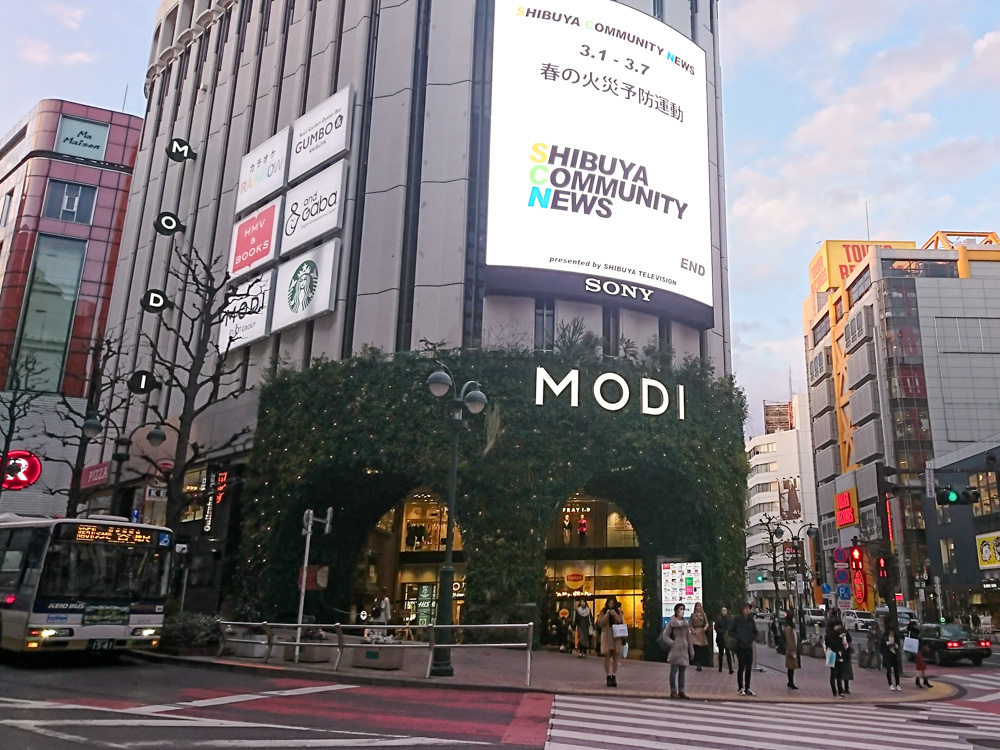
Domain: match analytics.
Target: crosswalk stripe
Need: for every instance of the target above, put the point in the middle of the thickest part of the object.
(989, 697)
(818, 733)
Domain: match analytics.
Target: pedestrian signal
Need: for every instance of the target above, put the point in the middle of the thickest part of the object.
(856, 558)
(883, 570)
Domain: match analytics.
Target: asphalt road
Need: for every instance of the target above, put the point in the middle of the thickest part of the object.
(136, 705)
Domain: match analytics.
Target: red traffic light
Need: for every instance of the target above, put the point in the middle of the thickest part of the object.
(856, 558)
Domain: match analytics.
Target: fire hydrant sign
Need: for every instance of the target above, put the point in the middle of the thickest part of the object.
(255, 239)
(599, 162)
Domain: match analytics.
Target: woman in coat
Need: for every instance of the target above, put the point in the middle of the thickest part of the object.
(677, 637)
(584, 621)
(835, 656)
(699, 635)
(791, 650)
(611, 647)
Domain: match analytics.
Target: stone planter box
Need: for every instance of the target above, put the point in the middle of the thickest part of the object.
(375, 657)
(309, 652)
(255, 650)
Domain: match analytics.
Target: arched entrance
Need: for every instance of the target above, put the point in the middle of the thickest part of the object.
(591, 553)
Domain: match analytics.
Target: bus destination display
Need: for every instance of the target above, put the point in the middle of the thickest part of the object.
(112, 534)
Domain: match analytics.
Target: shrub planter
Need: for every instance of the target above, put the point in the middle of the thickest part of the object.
(375, 657)
(309, 652)
(255, 650)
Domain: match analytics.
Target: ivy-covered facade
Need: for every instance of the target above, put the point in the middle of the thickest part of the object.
(357, 435)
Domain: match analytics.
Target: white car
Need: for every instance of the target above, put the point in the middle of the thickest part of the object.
(858, 620)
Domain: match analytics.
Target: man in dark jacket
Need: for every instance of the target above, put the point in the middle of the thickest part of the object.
(744, 632)
(722, 625)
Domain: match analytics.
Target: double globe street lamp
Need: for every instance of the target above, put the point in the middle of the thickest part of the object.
(776, 531)
(441, 383)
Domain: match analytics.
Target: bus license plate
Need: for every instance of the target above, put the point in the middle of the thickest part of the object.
(101, 644)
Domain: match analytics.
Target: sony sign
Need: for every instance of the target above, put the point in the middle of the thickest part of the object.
(647, 386)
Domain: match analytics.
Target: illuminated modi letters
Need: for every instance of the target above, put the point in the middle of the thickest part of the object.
(654, 394)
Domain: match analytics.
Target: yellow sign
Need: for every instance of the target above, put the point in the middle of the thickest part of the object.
(989, 550)
(846, 507)
(835, 260)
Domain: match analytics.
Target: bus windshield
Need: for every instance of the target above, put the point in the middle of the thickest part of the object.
(104, 571)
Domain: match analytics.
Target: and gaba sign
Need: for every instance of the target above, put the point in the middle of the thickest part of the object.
(255, 239)
(611, 392)
(321, 135)
(247, 316)
(314, 208)
(263, 171)
(306, 286)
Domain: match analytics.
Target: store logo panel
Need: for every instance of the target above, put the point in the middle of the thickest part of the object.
(263, 171)
(247, 315)
(321, 135)
(306, 286)
(255, 239)
(314, 208)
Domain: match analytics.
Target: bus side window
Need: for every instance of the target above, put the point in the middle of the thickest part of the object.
(34, 556)
(12, 563)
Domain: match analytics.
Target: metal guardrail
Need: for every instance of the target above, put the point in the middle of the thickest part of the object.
(280, 634)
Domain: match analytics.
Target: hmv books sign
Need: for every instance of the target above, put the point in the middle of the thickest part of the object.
(314, 208)
(263, 171)
(321, 135)
(306, 286)
(247, 316)
(255, 239)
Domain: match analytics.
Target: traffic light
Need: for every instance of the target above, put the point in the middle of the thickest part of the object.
(856, 558)
(968, 496)
(948, 496)
(883, 569)
(762, 578)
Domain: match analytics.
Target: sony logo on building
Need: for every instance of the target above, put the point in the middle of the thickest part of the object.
(572, 381)
(616, 289)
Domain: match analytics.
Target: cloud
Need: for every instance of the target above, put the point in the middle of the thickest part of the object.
(40, 52)
(958, 159)
(983, 68)
(761, 367)
(66, 15)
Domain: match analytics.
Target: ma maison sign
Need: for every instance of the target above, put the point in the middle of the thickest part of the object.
(611, 392)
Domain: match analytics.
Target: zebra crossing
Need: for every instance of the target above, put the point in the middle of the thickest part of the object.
(982, 686)
(590, 723)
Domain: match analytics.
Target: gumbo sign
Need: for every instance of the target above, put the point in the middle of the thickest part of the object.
(611, 392)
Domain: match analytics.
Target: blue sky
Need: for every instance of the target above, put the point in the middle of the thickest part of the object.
(828, 104)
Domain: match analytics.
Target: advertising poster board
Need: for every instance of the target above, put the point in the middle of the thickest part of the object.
(306, 286)
(680, 583)
(321, 135)
(263, 171)
(255, 239)
(314, 208)
(83, 138)
(599, 161)
(247, 317)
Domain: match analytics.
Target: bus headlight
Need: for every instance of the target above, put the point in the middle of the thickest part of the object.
(144, 632)
(50, 633)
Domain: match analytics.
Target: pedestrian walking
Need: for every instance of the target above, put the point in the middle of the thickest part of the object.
(699, 636)
(678, 637)
(381, 610)
(875, 646)
(848, 669)
(892, 654)
(743, 633)
(611, 645)
(722, 624)
(921, 664)
(583, 619)
(791, 650)
(835, 656)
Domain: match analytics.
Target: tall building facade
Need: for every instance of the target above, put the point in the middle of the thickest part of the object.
(65, 175)
(901, 357)
(383, 169)
(781, 494)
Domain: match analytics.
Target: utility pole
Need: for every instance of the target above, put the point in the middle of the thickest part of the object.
(886, 490)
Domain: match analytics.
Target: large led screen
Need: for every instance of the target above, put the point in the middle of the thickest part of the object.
(598, 160)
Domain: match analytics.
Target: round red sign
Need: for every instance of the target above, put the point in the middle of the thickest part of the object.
(23, 470)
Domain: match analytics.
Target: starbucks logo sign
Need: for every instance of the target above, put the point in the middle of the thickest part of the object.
(302, 287)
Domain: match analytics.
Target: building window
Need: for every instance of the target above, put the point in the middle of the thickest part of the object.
(5, 212)
(860, 287)
(989, 501)
(763, 468)
(68, 201)
(612, 331)
(821, 329)
(545, 325)
(762, 487)
(51, 300)
(948, 563)
(838, 309)
(870, 527)
(943, 514)
(762, 448)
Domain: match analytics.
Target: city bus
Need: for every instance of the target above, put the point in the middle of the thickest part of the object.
(94, 584)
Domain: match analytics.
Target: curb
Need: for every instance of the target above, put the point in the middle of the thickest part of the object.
(341, 678)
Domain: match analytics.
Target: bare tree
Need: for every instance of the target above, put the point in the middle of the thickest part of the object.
(197, 375)
(103, 409)
(15, 405)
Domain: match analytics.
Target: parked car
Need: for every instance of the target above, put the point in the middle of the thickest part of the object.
(953, 642)
(815, 617)
(858, 620)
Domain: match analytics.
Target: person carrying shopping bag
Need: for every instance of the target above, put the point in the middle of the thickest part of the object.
(610, 619)
(677, 638)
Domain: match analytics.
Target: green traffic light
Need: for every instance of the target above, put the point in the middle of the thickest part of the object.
(952, 496)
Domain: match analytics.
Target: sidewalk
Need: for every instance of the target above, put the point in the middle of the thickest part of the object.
(552, 672)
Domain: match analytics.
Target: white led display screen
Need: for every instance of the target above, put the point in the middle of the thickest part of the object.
(599, 164)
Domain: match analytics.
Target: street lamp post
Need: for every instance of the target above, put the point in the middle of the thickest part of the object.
(777, 530)
(123, 449)
(441, 384)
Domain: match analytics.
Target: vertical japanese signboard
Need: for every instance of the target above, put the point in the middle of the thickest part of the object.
(680, 583)
(599, 162)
